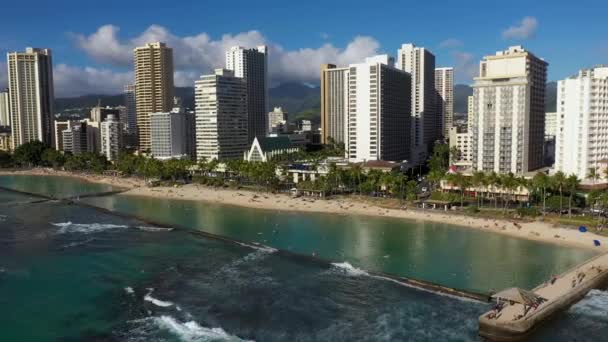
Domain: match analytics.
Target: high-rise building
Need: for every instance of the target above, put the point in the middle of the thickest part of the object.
(74, 139)
(509, 106)
(252, 65)
(61, 126)
(131, 109)
(169, 135)
(99, 113)
(277, 120)
(550, 124)
(379, 114)
(426, 125)
(31, 96)
(461, 139)
(470, 114)
(582, 122)
(153, 86)
(111, 133)
(5, 113)
(334, 103)
(444, 86)
(221, 116)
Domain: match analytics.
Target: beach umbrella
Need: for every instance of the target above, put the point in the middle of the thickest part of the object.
(517, 295)
(582, 229)
(596, 243)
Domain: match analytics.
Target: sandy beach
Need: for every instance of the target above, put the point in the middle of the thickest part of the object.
(535, 230)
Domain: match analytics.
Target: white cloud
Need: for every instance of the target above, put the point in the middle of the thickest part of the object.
(198, 54)
(74, 81)
(524, 30)
(451, 43)
(465, 67)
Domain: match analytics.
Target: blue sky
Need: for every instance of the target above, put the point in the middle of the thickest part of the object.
(92, 43)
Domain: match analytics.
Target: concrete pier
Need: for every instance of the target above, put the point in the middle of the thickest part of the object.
(515, 322)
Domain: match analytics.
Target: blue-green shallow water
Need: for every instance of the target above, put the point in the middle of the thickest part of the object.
(452, 256)
(67, 282)
(53, 186)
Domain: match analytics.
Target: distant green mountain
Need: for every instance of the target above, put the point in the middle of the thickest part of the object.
(551, 97)
(302, 102)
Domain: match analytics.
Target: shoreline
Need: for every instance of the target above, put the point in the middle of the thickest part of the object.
(534, 230)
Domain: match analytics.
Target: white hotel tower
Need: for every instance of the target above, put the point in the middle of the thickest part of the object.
(509, 112)
(582, 122)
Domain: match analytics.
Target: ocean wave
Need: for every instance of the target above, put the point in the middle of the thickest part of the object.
(349, 269)
(192, 331)
(259, 247)
(90, 228)
(595, 305)
(129, 290)
(85, 228)
(157, 302)
(76, 243)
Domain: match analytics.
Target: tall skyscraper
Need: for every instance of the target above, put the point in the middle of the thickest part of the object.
(153, 86)
(509, 107)
(252, 65)
(334, 103)
(470, 113)
(444, 86)
(582, 122)
(129, 94)
(31, 96)
(111, 137)
(426, 126)
(379, 113)
(221, 116)
(5, 118)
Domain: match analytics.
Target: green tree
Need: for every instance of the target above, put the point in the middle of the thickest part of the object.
(571, 184)
(478, 181)
(6, 159)
(30, 153)
(593, 174)
(559, 182)
(541, 182)
(53, 158)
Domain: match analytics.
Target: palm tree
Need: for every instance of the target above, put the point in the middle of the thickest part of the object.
(593, 174)
(434, 177)
(494, 180)
(478, 180)
(542, 181)
(571, 184)
(509, 183)
(559, 181)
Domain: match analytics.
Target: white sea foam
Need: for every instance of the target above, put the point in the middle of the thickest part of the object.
(349, 269)
(86, 228)
(90, 228)
(157, 302)
(129, 290)
(259, 247)
(192, 331)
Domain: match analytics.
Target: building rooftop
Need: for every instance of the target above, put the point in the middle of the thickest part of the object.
(274, 143)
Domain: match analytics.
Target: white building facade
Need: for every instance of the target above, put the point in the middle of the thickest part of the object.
(334, 103)
(379, 114)
(426, 125)
(252, 66)
(221, 116)
(444, 86)
(168, 135)
(5, 118)
(582, 122)
(111, 133)
(461, 139)
(31, 96)
(509, 115)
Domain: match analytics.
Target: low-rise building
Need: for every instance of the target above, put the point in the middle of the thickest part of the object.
(6, 143)
(74, 139)
(460, 138)
(263, 149)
